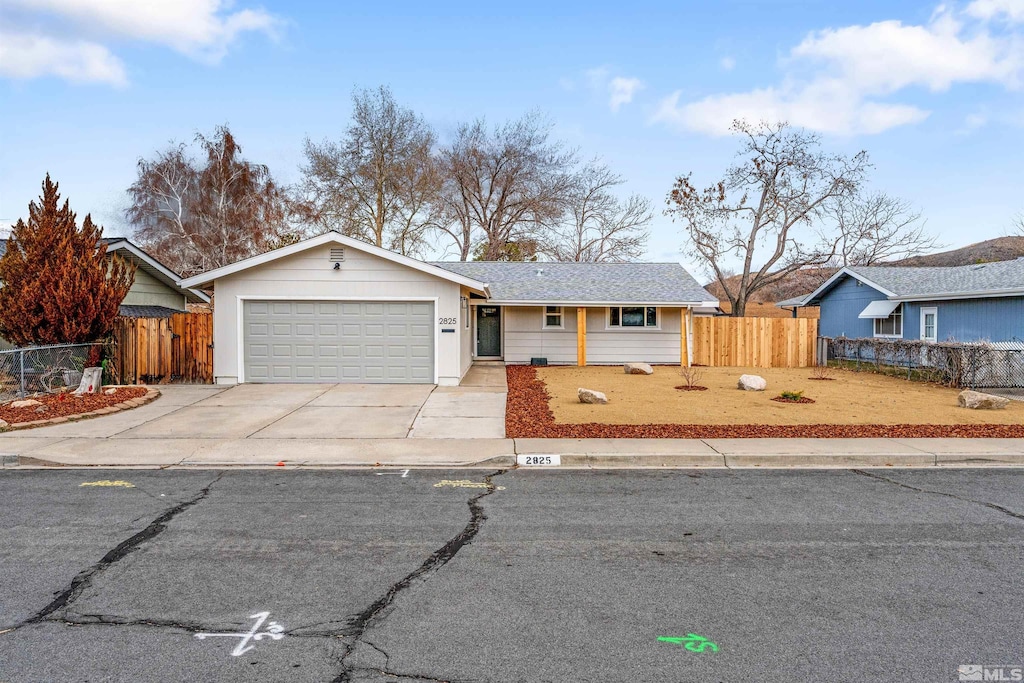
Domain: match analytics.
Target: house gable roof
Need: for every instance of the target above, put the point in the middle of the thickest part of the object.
(996, 279)
(585, 283)
(129, 251)
(332, 238)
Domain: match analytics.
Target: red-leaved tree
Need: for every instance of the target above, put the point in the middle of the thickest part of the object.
(58, 284)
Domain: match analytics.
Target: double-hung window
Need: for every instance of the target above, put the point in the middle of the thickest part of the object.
(891, 326)
(553, 318)
(633, 316)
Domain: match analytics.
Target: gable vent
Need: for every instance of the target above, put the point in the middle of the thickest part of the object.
(337, 254)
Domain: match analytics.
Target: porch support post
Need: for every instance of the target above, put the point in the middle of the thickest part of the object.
(581, 336)
(684, 341)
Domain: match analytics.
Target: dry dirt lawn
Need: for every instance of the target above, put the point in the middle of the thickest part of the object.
(850, 398)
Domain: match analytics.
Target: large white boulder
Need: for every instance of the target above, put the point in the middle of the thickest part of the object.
(638, 369)
(591, 396)
(25, 403)
(752, 383)
(976, 400)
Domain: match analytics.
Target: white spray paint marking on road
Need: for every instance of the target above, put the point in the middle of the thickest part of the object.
(274, 631)
(404, 473)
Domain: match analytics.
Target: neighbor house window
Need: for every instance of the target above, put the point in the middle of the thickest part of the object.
(633, 316)
(891, 326)
(553, 317)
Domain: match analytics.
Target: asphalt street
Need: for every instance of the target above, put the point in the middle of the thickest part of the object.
(538, 575)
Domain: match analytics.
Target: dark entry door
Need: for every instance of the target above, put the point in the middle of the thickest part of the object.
(488, 331)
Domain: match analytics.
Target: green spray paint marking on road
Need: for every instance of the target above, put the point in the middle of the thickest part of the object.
(691, 642)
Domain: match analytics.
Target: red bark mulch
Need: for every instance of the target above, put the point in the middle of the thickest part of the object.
(67, 405)
(802, 399)
(527, 415)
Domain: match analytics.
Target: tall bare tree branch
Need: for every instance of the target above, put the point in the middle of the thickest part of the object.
(763, 210)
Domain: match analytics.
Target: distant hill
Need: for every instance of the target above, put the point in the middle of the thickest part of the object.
(999, 249)
(807, 280)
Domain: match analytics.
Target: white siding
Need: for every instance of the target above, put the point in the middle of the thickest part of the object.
(525, 338)
(310, 275)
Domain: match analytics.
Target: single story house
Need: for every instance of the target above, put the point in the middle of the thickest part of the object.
(979, 302)
(154, 293)
(335, 309)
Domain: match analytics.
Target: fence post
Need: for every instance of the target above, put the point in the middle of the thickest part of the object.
(21, 359)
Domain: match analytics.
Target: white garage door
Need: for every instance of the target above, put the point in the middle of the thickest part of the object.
(338, 341)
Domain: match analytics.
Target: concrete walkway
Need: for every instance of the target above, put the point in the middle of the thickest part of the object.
(421, 426)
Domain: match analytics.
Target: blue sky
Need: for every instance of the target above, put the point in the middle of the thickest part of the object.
(933, 92)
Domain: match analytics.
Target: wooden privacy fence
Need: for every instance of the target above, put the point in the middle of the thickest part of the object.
(754, 342)
(161, 350)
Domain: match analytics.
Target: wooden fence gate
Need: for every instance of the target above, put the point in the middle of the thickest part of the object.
(162, 350)
(754, 342)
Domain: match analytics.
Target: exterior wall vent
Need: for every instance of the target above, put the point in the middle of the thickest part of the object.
(337, 254)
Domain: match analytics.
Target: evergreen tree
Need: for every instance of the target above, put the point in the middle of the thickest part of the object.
(58, 284)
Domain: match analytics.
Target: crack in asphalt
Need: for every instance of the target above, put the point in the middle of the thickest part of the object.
(84, 579)
(440, 557)
(993, 506)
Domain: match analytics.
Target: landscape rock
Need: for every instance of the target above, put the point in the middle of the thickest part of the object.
(4, 424)
(110, 392)
(591, 396)
(638, 369)
(752, 383)
(976, 400)
(25, 403)
(42, 409)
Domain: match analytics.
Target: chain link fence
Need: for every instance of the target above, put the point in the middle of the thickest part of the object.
(45, 369)
(976, 365)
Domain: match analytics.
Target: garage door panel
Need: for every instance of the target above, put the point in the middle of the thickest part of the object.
(323, 341)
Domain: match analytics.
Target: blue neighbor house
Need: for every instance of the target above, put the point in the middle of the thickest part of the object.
(977, 303)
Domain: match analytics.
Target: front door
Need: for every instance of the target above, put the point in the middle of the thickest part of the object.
(488, 331)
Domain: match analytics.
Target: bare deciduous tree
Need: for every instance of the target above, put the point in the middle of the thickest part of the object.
(877, 228)
(198, 216)
(771, 198)
(597, 226)
(379, 183)
(502, 185)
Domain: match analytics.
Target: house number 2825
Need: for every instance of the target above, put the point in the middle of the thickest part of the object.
(447, 321)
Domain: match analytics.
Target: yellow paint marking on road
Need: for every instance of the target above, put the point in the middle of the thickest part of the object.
(107, 482)
(465, 484)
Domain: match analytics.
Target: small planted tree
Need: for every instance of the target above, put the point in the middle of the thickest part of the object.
(59, 287)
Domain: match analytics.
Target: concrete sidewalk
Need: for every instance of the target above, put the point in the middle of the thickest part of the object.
(597, 453)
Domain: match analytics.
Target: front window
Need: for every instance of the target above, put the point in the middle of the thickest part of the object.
(553, 317)
(633, 316)
(891, 326)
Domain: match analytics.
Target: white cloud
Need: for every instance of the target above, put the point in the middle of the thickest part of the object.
(29, 56)
(73, 46)
(727, 63)
(620, 90)
(1008, 10)
(836, 79)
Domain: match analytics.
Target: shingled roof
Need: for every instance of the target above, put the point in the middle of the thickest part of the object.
(584, 283)
(999, 278)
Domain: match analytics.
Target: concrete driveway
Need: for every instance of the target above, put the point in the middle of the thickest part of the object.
(270, 422)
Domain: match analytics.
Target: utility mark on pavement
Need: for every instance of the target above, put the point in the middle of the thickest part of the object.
(692, 642)
(274, 631)
(999, 508)
(84, 579)
(107, 482)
